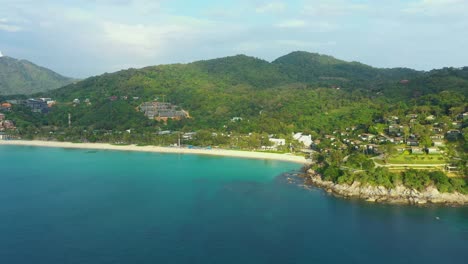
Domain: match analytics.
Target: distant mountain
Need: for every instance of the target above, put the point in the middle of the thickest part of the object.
(24, 77)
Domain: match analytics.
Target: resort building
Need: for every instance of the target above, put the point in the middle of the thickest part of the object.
(162, 111)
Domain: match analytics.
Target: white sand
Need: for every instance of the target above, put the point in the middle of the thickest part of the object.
(212, 152)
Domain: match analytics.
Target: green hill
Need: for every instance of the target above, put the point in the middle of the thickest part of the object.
(296, 92)
(322, 69)
(24, 77)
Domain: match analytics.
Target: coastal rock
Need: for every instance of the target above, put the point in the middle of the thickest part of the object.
(398, 195)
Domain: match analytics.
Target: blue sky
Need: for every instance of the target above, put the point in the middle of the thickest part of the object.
(81, 38)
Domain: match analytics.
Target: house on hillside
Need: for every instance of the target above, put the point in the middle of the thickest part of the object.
(306, 140)
(412, 142)
(392, 120)
(5, 107)
(453, 134)
(433, 151)
(366, 137)
(7, 124)
(438, 143)
(437, 137)
(417, 150)
(37, 106)
(2, 117)
(395, 129)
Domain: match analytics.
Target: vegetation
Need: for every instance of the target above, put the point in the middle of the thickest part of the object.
(380, 176)
(24, 77)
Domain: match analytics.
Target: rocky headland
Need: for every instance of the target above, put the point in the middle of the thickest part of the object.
(398, 195)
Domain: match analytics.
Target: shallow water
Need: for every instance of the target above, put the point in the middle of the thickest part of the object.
(77, 206)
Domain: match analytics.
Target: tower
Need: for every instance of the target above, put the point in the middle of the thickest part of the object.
(69, 120)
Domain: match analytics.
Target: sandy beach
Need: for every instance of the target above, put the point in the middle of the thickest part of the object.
(176, 150)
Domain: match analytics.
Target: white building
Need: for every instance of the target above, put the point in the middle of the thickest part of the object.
(304, 139)
(278, 141)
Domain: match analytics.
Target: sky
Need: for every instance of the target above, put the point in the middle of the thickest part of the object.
(81, 38)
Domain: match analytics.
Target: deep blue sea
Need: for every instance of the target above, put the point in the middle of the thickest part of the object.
(79, 206)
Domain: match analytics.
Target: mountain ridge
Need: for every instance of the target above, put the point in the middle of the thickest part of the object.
(20, 76)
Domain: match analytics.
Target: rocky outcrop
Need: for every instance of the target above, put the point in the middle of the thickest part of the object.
(398, 195)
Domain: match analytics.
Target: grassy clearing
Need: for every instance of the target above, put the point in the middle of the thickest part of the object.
(416, 159)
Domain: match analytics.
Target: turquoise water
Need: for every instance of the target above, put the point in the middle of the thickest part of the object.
(80, 206)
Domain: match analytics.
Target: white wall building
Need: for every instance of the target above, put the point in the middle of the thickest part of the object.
(278, 141)
(304, 139)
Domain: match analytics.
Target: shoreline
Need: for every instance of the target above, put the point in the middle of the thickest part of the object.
(157, 149)
(400, 195)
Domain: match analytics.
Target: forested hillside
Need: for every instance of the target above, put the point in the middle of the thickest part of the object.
(300, 91)
(24, 77)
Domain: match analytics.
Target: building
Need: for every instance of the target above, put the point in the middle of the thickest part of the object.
(2, 117)
(437, 137)
(306, 140)
(162, 111)
(5, 106)
(395, 129)
(277, 142)
(189, 135)
(438, 143)
(453, 134)
(7, 124)
(412, 142)
(417, 150)
(433, 151)
(37, 106)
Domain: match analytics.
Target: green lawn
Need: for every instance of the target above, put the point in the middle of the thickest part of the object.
(416, 159)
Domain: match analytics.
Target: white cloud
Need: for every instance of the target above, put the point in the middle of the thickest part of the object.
(6, 25)
(273, 7)
(293, 23)
(437, 7)
(313, 26)
(150, 40)
(332, 8)
(299, 44)
(10, 28)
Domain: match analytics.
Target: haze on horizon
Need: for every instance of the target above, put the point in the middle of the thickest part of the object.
(83, 38)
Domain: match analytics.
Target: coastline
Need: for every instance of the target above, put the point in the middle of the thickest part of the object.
(379, 194)
(156, 149)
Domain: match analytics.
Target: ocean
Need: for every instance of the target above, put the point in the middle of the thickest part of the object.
(84, 206)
